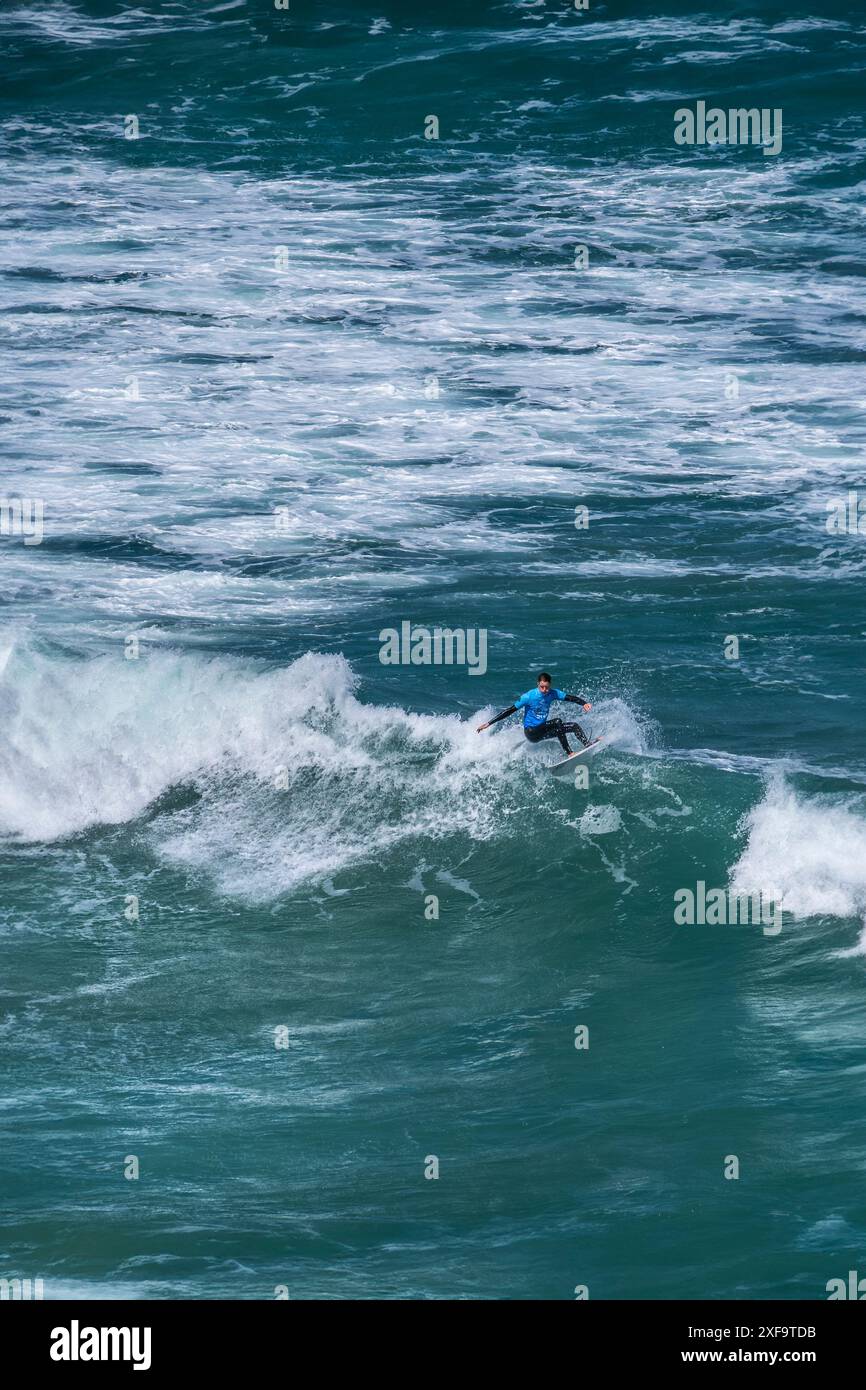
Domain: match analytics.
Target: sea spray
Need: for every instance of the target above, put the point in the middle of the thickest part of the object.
(290, 776)
(812, 849)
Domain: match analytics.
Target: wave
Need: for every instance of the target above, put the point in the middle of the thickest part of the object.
(811, 851)
(258, 778)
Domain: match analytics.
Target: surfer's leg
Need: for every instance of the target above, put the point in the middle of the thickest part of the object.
(576, 729)
(554, 728)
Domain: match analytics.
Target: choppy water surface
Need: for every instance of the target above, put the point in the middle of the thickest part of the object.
(284, 374)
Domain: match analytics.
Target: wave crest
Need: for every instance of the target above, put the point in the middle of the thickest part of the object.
(290, 776)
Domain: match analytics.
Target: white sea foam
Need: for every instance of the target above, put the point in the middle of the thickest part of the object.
(288, 776)
(811, 851)
(439, 382)
(600, 820)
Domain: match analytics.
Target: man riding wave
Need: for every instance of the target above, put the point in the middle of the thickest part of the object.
(536, 708)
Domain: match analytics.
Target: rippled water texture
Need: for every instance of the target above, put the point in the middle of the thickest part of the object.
(284, 374)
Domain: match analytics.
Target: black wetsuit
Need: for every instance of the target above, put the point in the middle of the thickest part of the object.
(551, 728)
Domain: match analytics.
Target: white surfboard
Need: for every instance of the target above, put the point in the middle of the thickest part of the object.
(559, 768)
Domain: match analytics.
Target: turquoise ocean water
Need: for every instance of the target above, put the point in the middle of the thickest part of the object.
(284, 373)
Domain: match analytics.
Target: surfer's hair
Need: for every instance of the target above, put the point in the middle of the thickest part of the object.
(544, 676)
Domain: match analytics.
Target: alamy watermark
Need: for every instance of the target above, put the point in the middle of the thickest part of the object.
(22, 516)
(736, 126)
(438, 646)
(722, 907)
(846, 515)
(77, 1343)
(21, 1290)
(855, 1287)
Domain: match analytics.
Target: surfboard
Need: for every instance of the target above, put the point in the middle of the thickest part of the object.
(559, 768)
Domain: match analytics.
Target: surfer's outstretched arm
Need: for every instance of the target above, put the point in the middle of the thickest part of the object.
(578, 700)
(503, 714)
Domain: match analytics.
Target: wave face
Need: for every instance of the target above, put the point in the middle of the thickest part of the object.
(283, 374)
(286, 763)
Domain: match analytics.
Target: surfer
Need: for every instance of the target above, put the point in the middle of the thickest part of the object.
(536, 707)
